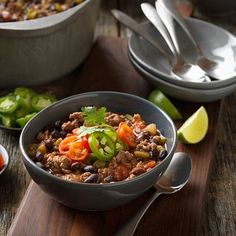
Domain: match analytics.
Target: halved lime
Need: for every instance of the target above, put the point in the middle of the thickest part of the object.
(194, 128)
(160, 99)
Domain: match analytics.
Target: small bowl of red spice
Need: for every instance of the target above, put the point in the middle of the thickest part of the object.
(4, 159)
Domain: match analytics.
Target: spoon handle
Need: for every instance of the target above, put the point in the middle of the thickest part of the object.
(168, 21)
(137, 28)
(130, 226)
(151, 14)
(165, 28)
(170, 7)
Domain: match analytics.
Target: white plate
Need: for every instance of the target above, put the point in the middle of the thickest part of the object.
(182, 93)
(214, 41)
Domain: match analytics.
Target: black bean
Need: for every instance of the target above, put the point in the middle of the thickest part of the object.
(154, 154)
(162, 154)
(93, 178)
(73, 4)
(56, 134)
(63, 133)
(38, 156)
(108, 179)
(89, 168)
(48, 144)
(58, 124)
(40, 164)
(75, 166)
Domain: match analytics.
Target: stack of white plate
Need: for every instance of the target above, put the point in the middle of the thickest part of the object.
(215, 42)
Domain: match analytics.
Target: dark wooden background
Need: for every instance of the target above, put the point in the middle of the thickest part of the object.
(220, 210)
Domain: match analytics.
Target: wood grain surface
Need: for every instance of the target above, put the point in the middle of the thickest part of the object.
(220, 209)
(108, 68)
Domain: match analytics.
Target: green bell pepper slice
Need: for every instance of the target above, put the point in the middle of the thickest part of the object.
(41, 101)
(23, 120)
(7, 120)
(24, 97)
(8, 104)
(102, 146)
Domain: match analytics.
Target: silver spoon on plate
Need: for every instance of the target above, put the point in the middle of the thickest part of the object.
(181, 67)
(215, 69)
(183, 74)
(173, 179)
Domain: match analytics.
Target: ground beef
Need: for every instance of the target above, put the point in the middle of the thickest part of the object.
(57, 163)
(70, 125)
(114, 119)
(77, 116)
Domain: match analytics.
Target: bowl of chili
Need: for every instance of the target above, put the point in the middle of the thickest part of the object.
(41, 50)
(4, 159)
(89, 195)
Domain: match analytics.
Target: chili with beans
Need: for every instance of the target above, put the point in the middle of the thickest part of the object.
(96, 146)
(19, 10)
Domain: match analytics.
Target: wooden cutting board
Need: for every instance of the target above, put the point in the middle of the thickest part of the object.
(108, 68)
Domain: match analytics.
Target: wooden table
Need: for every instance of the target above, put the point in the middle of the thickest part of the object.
(220, 210)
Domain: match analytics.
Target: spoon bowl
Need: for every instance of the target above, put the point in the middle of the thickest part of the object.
(187, 72)
(176, 175)
(217, 70)
(173, 179)
(180, 67)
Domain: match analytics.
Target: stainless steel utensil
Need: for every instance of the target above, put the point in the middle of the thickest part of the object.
(185, 69)
(216, 70)
(174, 178)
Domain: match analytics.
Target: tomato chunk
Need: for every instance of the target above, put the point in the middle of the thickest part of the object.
(126, 134)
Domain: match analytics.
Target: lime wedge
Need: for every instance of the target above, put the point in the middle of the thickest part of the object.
(194, 128)
(159, 99)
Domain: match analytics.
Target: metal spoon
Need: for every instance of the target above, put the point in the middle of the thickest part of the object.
(216, 70)
(187, 71)
(174, 178)
(137, 28)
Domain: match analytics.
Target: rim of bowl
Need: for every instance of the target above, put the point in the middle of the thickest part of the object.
(30, 162)
(191, 84)
(5, 156)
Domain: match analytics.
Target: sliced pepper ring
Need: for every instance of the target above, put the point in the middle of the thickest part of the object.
(8, 104)
(65, 144)
(77, 151)
(102, 146)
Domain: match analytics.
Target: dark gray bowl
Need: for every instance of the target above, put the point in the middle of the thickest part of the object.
(97, 197)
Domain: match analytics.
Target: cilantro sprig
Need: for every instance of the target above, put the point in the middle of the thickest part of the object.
(93, 115)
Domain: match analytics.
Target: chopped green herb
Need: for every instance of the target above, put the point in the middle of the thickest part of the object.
(94, 116)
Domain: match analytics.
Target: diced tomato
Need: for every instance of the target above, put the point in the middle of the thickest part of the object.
(150, 164)
(138, 122)
(126, 134)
